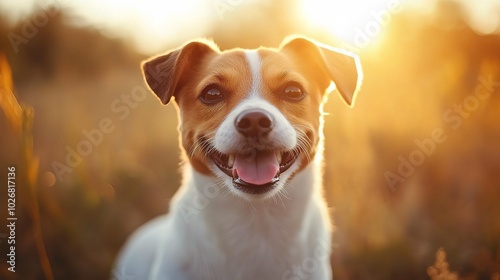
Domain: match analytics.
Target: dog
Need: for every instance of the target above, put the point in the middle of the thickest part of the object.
(251, 204)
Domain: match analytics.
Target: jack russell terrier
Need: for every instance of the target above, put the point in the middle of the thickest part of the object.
(251, 204)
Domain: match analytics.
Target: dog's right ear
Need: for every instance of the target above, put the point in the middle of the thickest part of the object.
(166, 74)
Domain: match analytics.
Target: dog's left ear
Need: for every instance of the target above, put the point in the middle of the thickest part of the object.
(340, 66)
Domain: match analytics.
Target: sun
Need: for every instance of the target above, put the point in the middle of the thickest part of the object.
(356, 22)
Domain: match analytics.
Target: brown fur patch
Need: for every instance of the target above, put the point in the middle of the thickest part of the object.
(230, 72)
(279, 69)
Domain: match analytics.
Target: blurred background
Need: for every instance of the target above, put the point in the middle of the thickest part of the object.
(413, 168)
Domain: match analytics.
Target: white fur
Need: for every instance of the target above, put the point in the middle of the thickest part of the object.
(212, 233)
(282, 137)
(253, 60)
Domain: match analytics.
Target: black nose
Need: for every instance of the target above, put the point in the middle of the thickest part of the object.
(254, 123)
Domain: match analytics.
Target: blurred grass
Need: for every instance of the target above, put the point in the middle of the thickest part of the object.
(440, 270)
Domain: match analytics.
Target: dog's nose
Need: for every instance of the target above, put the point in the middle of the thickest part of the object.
(254, 123)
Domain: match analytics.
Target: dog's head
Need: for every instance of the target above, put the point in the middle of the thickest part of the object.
(251, 118)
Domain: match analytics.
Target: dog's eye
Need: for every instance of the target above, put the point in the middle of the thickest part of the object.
(293, 92)
(211, 95)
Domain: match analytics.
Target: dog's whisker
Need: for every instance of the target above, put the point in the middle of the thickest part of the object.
(280, 197)
(274, 199)
(204, 145)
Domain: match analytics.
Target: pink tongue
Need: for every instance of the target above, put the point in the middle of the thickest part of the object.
(258, 169)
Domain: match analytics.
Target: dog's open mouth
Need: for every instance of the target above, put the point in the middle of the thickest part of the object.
(256, 172)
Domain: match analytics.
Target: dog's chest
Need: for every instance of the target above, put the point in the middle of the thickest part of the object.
(256, 245)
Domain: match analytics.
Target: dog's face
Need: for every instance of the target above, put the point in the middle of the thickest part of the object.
(251, 118)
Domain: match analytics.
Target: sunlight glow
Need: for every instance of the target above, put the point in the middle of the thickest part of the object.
(483, 16)
(357, 21)
(152, 23)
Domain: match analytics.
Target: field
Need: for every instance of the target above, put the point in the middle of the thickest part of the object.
(412, 168)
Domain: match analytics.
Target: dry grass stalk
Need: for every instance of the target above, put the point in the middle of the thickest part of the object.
(21, 122)
(440, 269)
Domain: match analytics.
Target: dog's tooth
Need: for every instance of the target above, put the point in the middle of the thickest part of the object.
(230, 160)
(278, 157)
